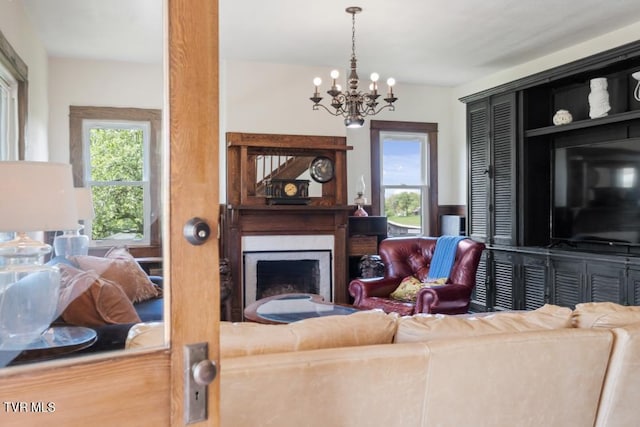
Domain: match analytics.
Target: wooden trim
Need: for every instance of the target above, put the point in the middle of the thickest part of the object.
(194, 191)
(72, 402)
(19, 70)
(431, 129)
(452, 210)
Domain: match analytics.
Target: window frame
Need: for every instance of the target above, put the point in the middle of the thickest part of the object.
(380, 127)
(79, 117)
(18, 70)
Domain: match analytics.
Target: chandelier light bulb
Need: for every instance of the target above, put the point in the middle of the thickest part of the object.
(335, 74)
(317, 81)
(339, 88)
(371, 86)
(374, 77)
(391, 81)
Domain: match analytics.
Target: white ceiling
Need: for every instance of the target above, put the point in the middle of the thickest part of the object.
(416, 41)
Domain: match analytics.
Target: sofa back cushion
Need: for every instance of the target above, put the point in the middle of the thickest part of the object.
(604, 315)
(427, 327)
(361, 328)
(145, 335)
(381, 385)
(533, 378)
(619, 400)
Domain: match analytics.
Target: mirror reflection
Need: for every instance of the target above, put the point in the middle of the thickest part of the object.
(81, 98)
(283, 166)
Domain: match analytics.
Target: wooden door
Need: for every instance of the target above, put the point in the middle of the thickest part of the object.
(145, 388)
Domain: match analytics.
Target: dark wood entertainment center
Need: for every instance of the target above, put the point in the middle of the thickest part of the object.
(512, 145)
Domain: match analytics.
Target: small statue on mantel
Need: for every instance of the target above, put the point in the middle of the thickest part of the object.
(599, 98)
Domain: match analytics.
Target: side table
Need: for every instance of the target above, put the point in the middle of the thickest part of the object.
(54, 342)
(287, 308)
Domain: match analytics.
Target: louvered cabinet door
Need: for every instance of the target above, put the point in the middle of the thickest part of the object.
(479, 163)
(605, 282)
(479, 294)
(633, 285)
(533, 278)
(567, 282)
(503, 146)
(504, 280)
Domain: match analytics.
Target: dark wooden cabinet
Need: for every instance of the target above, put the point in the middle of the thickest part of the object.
(491, 128)
(528, 278)
(513, 203)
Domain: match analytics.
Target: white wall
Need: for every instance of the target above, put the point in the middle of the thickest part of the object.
(97, 84)
(274, 98)
(17, 29)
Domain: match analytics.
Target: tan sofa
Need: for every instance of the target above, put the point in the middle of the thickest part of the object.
(371, 369)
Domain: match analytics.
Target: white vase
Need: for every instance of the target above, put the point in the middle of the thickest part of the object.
(598, 98)
(562, 117)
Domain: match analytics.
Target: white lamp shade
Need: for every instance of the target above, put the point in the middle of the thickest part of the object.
(84, 201)
(37, 196)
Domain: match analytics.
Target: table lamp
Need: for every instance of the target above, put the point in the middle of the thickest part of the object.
(360, 200)
(36, 196)
(71, 242)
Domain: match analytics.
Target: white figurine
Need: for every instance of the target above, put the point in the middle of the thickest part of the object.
(599, 98)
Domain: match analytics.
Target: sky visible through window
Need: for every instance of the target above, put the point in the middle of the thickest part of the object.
(402, 160)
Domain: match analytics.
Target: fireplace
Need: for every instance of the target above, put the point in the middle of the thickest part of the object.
(273, 265)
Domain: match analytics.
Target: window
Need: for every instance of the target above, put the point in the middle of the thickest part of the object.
(404, 181)
(13, 102)
(404, 176)
(112, 153)
(117, 171)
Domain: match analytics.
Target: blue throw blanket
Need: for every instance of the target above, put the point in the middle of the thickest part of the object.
(443, 257)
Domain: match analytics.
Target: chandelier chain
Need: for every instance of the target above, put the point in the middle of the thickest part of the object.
(353, 35)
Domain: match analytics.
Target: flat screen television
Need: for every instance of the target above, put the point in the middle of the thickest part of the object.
(596, 193)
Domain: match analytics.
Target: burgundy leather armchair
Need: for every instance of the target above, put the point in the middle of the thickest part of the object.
(411, 256)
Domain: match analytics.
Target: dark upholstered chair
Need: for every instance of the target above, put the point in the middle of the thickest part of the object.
(411, 256)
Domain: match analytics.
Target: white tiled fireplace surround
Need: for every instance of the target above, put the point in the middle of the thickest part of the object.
(287, 248)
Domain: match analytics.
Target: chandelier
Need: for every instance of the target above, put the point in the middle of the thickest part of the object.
(352, 104)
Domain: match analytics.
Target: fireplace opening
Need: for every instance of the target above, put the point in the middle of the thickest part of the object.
(268, 273)
(287, 276)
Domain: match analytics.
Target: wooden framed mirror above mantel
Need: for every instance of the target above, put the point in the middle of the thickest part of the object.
(319, 212)
(253, 159)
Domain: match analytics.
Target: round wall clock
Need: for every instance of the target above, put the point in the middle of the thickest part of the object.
(321, 169)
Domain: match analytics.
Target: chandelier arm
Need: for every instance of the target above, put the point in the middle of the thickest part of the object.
(336, 113)
(371, 112)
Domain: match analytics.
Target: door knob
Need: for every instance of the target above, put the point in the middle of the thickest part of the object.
(204, 372)
(196, 231)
